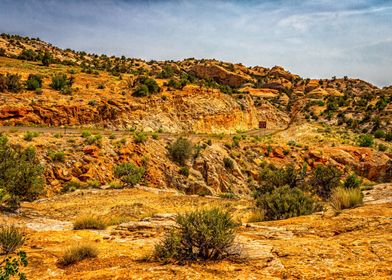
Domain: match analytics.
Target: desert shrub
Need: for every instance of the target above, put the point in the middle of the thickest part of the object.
(21, 174)
(2, 52)
(324, 179)
(342, 198)
(96, 140)
(155, 136)
(388, 136)
(128, 173)
(10, 239)
(14, 83)
(141, 91)
(167, 72)
(272, 177)
(285, 202)
(228, 195)
(184, 171)
(181, 150)
(3, 83)
(228, 163)
(89, 222)
(86, 133)
(57, 156)
(379, 133)
(29, 136)
(61, 82)
(382, 147)
(34, 82)
(47, 59)
(203, 234)
(78, 253)
(139, 137)
(352, 181)
(365, 140)
(70, 186)
(28, 54)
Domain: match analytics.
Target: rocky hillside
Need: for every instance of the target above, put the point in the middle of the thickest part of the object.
(189, 95)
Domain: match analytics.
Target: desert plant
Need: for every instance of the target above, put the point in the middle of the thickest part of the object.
(47, 59)
(14, 83)
(89, 222)
(382, 147)
(388, 136)
(10, 239)
(184, 171)
(352, 181)
(141, 91)
(181, 150)
(86, 133)
(29, 136)
(342, 198)
(128, 173)
(78, 253)
(324, 179)
(57, 156)
(285, 202)
(139, 137)
(61, 82)
(203, 234)
(228, 163)
(21, 174)
(34, 82)
(379, 133)
(365, 140)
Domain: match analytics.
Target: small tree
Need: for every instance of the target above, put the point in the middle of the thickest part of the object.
(34, 82)
(128, 173)
(203, 234)
(324, 179)
(47, 59)
(21, 174)
(181, 150)
(365, 140)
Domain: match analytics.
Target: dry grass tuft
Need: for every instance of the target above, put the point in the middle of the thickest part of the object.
(345, 198)
(77, 253)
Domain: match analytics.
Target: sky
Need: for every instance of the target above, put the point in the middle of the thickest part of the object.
(315, 39)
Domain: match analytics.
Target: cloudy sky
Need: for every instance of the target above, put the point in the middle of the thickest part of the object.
(316, 39)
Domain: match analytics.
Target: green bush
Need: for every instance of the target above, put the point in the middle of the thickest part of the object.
(141, 91)
(61, 82)
(181, 150)
(89, 222)
(86, 133)
(10, 239)
(365, 140)
(352, 181)
(285, 202)
(379, 133)
(57, 156)
(388, 136)
(382, 147)
(128, 173)
(70, 186)
(77, 253)
(21, 174)
(184, 171)
(34, 82)
(228, 163)
(13, 83)
(324, 179)
(47, 59)
(28, 54)
(139, 137)
(342, 198)
(203, 234)
(29, 136)
(272, 177)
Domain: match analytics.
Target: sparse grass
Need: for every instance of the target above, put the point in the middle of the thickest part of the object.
(29, 136)
(89, 222)
(345, 198)
(10, 239)
(258, 215)
(78, 253)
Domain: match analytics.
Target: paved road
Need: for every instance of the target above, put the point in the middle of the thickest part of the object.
(74, 131)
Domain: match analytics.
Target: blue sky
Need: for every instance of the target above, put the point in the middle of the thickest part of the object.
(316, 39)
